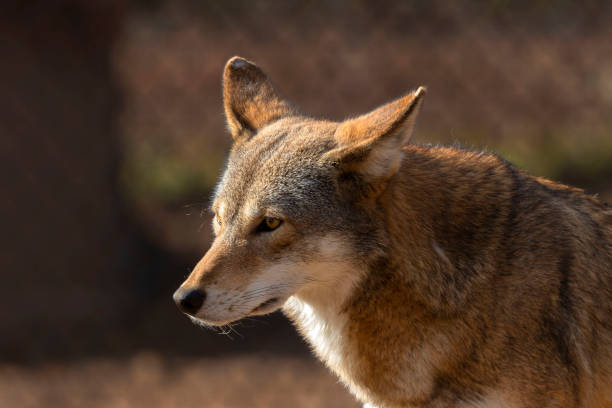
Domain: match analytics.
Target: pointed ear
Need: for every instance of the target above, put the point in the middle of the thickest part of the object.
(249, 99)
(371, 145)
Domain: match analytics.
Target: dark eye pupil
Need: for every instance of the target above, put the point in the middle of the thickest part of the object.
(268, 224)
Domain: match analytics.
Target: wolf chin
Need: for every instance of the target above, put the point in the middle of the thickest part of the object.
(422, 276)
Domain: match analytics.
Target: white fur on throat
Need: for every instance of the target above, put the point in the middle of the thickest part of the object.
(317, 309)
(323, 327)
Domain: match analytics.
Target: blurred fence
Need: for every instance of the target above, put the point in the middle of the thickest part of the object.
(113, 134)
(531, 81)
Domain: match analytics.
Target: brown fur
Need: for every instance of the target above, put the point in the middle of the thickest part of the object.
(522, 296)
(423, 276)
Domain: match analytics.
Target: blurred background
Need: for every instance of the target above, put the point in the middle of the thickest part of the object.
(112, 137)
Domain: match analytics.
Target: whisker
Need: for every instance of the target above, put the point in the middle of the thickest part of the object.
(232, 328)
(226, 330)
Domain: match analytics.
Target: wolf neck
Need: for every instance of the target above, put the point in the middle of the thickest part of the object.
(322, 314)
(321, 318)
(408, 278)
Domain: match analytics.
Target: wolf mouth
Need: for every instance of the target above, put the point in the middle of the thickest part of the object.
(265, 305)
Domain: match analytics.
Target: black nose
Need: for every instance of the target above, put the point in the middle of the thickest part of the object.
(189, 300)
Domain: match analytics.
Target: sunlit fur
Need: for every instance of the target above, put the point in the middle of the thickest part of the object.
(422, 276)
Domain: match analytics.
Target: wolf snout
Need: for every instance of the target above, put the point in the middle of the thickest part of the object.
(189, 300)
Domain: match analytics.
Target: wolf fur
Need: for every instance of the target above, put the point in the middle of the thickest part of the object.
(422, 276)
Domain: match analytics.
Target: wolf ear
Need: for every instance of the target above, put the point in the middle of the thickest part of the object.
(249, 99)
(371, 145)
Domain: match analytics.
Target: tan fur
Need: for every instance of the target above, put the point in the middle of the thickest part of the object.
(422, 276)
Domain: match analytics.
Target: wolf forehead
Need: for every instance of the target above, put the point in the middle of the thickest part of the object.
(280, 167)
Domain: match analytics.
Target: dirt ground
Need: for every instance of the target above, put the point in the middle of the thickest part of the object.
(150, 380)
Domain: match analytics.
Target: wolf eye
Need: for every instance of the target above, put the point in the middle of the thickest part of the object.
(217, 220)
(269, 224)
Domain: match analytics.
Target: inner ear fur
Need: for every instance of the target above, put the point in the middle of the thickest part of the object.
(371, 145)
(249, 98)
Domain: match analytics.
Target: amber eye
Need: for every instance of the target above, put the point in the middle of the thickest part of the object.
(272, 223)
(269, 224)
(217, 220)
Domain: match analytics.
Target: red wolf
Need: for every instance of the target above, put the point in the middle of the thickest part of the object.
(422, 276)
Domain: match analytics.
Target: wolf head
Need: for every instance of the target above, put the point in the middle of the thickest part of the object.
(296, 210)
